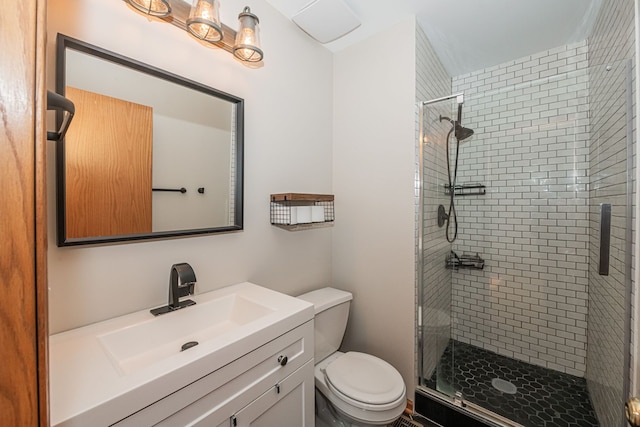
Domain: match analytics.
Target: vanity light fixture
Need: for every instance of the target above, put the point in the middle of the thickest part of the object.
(202, 20)
(158, 8)
(247, 46)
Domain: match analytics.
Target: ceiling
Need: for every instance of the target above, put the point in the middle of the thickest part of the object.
(472, 34)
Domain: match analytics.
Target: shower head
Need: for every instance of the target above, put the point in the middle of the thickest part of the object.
(461, 133)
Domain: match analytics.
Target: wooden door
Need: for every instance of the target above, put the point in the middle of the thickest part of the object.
(23, 311)
(108, 152)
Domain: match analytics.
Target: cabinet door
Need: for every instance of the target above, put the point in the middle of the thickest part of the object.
(289, 403)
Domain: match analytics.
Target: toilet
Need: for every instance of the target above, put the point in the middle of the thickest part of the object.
(352, 389)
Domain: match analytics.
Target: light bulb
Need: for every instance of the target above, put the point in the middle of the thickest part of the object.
(247, 46)
(204, 20)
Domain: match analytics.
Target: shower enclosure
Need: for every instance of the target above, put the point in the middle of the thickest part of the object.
(524, 245)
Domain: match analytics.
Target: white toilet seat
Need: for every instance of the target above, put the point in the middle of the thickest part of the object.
(351, 403)
(365, 381)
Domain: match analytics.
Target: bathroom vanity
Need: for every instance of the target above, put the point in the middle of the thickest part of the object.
(252, 365)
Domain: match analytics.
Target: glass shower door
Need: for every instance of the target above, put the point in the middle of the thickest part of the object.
(436, 371)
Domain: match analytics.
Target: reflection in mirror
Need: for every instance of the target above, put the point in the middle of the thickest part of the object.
(150, 154)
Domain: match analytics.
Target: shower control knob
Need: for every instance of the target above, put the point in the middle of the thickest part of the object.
(282, 360)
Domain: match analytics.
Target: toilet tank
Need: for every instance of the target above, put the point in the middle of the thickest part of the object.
(331, 315)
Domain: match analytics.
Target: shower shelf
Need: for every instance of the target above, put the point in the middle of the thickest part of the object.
(466, 261)
(467, 190)
(301, 211)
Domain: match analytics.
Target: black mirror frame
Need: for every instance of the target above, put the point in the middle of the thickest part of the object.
(63, 43)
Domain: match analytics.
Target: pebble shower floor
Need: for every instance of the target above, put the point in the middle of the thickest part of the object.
(544, 397)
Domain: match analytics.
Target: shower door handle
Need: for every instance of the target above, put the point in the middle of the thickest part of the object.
(605, 238)
(632, 409)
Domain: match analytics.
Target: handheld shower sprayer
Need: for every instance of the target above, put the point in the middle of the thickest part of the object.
(461, 133)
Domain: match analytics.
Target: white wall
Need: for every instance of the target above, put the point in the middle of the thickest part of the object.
(288, 131)
(373, 174)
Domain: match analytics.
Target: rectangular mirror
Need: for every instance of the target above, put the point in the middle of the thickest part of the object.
(149, 154)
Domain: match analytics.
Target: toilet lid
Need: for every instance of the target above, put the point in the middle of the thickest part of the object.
(365, 378)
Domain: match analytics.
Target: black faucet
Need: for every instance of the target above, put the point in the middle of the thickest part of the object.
(181, 283)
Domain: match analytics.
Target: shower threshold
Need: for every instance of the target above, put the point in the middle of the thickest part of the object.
(444, 411)
(527, 395)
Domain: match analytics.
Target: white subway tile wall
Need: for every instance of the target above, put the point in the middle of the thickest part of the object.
(530, 148)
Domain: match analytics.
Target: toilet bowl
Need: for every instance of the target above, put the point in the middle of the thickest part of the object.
(352, 389)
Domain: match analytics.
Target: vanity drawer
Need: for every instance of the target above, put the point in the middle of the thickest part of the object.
(241, 381)
(288, 403)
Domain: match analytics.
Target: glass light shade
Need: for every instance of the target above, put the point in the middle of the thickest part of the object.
(159, 8)
(204, 20)
(247, 46)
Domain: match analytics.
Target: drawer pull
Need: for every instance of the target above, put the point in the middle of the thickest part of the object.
(278, 388)
(282, 360)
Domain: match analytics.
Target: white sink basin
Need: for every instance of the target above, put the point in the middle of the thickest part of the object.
(142, 344)
(102, 373)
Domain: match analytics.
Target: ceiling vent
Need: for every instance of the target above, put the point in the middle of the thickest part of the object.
(326, 20)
